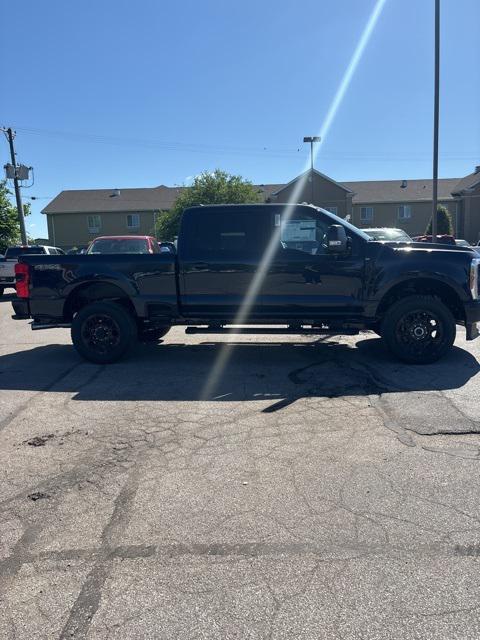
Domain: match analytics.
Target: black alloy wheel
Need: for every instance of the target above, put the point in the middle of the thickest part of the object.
(419, 329)
(102, 332)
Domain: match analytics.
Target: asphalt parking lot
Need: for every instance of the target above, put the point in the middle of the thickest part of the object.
(322, 491)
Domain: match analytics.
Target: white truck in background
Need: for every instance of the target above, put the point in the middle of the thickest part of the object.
(7, 263)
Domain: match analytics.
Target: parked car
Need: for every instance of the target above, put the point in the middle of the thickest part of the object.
(7, 262)
(387, 234)
(411, 295)
(167, 247)
(442, 239)
(123, 244)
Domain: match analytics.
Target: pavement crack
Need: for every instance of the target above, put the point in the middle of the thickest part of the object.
(88, 600)
(5, 422)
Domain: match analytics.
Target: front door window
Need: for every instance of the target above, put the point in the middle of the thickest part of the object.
(304, 232)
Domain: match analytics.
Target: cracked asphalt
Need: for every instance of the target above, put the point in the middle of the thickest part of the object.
(325, 491)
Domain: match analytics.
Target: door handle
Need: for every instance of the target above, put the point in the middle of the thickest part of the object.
(200, 265)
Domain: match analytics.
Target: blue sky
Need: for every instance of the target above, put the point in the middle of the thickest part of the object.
(117, 93)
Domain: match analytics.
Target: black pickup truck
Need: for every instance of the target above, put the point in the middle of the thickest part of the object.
(295, 268)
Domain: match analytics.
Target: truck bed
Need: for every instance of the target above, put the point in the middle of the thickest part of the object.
(149, 282)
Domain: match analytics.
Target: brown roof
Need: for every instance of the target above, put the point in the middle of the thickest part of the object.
(392, 190)
(468, 182)
(162, 197)
(268, 189)
(103, 200)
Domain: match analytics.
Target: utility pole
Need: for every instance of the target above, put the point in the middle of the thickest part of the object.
(18, 196)
(436, 110)
(311, 140)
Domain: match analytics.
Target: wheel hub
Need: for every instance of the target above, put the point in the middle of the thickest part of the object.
(101, 333)
(419, 332)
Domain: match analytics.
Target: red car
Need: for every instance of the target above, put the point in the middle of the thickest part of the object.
(123, 244)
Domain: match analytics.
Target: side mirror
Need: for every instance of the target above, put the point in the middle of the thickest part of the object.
(336, 239)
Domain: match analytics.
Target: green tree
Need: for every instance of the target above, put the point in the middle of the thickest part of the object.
(218, 187)
(444, 222)
(9, 226)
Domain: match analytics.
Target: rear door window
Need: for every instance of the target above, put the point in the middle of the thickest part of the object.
(223, 233)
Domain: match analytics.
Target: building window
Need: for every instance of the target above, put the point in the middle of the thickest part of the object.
(366, 214)
(404, 212)
(133, 221)
(94, 224)
(333, 210)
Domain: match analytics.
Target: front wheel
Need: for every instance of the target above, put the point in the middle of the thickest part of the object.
(103, 332)
(419, 329)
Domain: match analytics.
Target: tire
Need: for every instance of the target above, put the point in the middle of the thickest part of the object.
(154, 335)
(2, 289)
(377, 328)
(419, 329)
(103, 332)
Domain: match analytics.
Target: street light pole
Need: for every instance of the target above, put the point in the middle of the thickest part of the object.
(18, 195)
(311, 140)
(436, 110)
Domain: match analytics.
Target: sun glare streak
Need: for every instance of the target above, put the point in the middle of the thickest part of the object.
(350, 71)
(256, 283)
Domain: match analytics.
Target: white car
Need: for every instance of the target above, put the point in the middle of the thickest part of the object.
(464, 243)
(7, 263)
(388, 234)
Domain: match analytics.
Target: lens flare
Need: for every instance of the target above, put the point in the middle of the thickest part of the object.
(256, 283)
(350, 71)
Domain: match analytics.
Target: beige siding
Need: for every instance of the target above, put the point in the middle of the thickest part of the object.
(325, 194)
(386, 215)
(71, 229)
(471, 204)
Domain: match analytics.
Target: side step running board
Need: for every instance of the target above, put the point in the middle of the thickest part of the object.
(273, 330)
(36, 326)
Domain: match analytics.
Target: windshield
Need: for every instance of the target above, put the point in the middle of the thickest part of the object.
(388, 235)
(119, 245)
(15, 252)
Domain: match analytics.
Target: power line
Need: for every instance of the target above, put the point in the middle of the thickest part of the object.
(239, 151)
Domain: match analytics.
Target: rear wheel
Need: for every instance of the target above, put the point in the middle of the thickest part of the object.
(103, 332)
(419, 329)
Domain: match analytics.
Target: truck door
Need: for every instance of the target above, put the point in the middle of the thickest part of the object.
(219, 252)
(303, 279)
